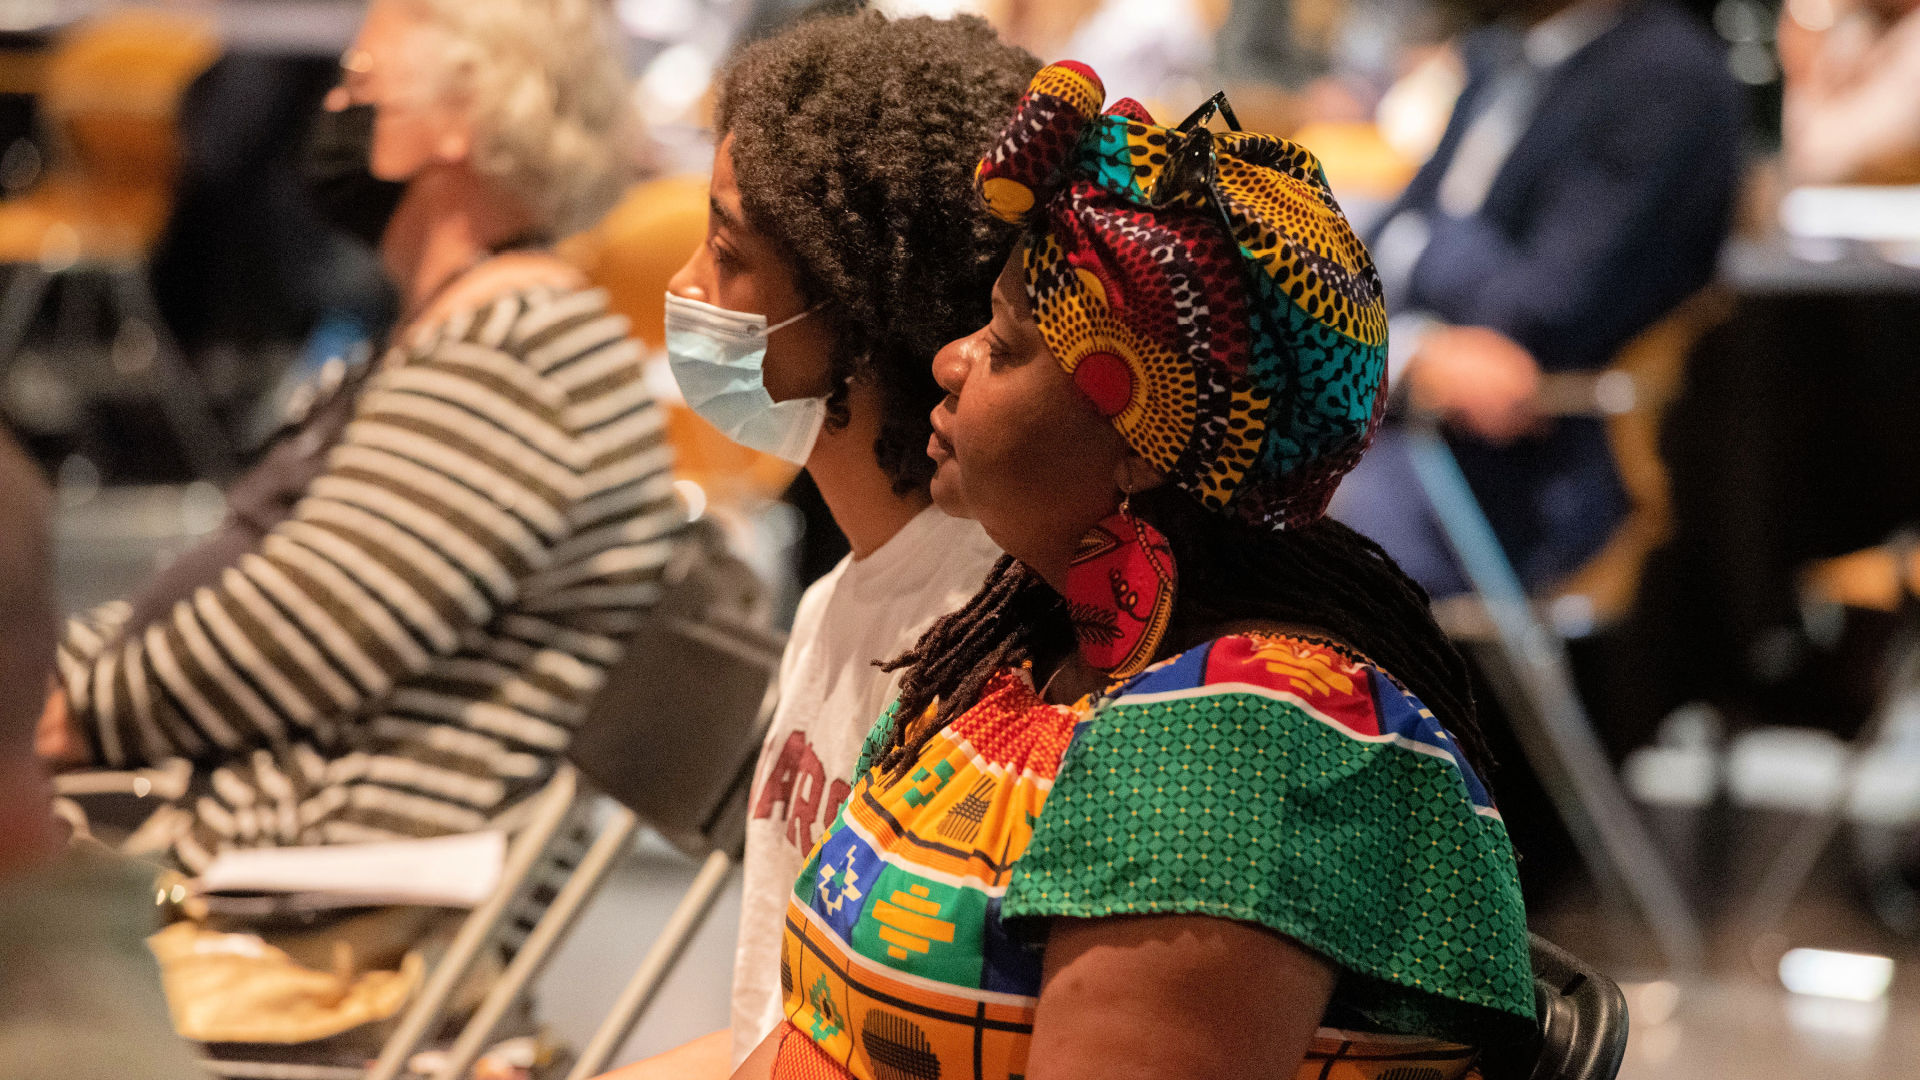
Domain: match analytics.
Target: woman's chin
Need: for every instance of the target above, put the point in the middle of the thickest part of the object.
(945, 489)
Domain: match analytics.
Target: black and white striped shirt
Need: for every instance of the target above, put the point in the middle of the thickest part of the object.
(406, 654)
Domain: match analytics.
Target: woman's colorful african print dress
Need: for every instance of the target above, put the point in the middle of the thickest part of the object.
(1265, 779)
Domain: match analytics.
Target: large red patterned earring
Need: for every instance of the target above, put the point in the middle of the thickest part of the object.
(1119, 591)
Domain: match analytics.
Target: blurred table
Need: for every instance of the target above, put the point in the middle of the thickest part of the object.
(1814, 268)
(1796, 438)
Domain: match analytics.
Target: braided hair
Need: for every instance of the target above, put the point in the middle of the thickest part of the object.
(1324, 577)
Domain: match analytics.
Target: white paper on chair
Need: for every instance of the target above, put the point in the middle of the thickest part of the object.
(446, 871)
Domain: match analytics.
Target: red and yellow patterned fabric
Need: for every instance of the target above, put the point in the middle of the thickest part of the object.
(1260, 778)
(1203, 289)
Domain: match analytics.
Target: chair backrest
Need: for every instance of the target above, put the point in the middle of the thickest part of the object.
(1654, 364)
(114, 86)
(678, 723)
(1582, 1017)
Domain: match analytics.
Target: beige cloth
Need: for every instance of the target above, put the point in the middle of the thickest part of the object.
(237, 988)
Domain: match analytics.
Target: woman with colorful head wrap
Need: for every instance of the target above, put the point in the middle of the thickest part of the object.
(1193, 787)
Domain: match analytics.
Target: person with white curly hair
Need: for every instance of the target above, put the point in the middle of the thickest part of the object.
(422, 584)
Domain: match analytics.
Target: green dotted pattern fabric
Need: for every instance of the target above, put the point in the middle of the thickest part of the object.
(1247, 806)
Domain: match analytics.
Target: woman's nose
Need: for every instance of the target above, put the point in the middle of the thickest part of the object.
(950, 365)
(686, 282)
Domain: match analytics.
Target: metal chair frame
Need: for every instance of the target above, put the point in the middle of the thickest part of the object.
(1789, 870)
(614, 839)
(1548, 717)
(714, 830)
(544, 814)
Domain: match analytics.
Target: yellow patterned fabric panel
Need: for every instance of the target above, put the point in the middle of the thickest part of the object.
(904, 954)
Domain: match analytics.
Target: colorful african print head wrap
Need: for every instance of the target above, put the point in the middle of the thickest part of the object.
(1202, 288)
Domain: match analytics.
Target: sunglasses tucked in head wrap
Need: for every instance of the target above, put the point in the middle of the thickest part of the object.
(1202, 288)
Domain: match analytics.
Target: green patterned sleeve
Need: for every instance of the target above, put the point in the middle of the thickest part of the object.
(876, 735)
(1292, 811)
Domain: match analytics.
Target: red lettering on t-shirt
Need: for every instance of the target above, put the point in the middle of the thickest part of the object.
(807, 789)
(777, 789)
(796, 783)
(836, 798)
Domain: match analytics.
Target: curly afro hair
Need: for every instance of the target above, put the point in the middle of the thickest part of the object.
(854, 142)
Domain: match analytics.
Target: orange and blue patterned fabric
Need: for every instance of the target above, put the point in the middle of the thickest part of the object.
(1202, 288)
(1267, 779)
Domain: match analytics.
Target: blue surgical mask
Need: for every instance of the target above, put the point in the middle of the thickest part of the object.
(716, 356)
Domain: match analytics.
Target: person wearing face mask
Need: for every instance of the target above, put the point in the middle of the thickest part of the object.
(425, 580)
(842, 251)
(1193, 786)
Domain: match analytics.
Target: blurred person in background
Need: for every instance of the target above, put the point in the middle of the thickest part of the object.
(1852, 108)
(844, 248)
(423, 582)
(1582, 191)
(1156, 50)
(79, 992)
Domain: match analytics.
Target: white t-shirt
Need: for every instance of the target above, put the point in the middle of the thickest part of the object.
(830, 695)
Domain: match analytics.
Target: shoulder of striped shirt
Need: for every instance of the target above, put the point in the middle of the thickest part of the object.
(540, 327)
(567, 351)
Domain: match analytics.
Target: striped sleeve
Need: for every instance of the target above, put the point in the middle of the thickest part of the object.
(452, 487)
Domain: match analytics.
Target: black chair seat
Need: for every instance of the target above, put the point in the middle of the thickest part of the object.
(1582, 1015)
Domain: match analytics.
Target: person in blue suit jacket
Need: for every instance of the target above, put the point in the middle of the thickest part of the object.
(1582, 191)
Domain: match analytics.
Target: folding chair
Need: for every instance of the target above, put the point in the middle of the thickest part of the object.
(672, 738)
(83, 235)
(1527, 653)
(1887, 746)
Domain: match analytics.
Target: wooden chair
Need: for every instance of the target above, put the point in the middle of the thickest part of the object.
(1521, 638)
(1633, 396)
(111, 98)
(1884, 578)
(1636, 394)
